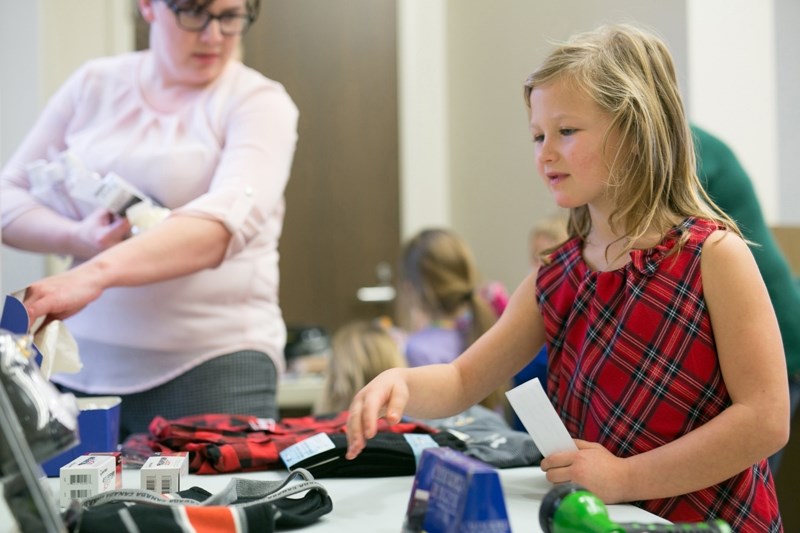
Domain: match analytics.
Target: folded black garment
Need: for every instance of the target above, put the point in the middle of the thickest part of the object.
(387, 454)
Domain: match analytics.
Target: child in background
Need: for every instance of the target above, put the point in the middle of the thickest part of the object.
(545, 236)
(441, 302)
(360, 351)
(666, 363)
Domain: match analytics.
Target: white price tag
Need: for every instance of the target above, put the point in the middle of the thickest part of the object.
(306, 448)
(537, 414)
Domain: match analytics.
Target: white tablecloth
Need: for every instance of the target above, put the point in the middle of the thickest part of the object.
(378, 505)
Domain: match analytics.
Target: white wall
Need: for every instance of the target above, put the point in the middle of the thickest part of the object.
(733, 89)
(422, 94)
(20, 84)
(787, 44)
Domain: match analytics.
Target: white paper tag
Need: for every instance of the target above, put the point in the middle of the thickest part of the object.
(306, 448)
(419, 442)
(537, 414)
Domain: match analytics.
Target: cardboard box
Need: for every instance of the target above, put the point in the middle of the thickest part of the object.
(163, 472)
(118, 461)
(98, 429)
(87, 475)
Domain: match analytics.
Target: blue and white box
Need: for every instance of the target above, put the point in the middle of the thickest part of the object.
(454, 493)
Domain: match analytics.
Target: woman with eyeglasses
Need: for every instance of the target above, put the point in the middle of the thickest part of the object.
(183, 318)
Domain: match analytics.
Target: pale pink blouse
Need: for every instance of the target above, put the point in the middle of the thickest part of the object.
(224, 155)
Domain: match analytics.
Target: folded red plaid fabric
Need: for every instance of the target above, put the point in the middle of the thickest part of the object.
(220, 443)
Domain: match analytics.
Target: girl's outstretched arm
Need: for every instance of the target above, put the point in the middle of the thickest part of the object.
(435, 391)
(753, 366)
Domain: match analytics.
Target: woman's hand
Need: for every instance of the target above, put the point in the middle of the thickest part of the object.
(98, 231)
(385, 396)
(62, 295)
(593, 467)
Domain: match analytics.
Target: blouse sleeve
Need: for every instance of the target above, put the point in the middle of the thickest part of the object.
(47, 136)
(258, 148)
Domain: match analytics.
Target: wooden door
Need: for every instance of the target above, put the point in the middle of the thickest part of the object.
(337, 59)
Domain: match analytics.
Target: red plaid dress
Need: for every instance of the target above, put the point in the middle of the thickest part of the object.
(633, 366)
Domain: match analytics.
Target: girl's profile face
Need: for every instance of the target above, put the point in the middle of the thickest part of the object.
(568, 130)
(189, 57)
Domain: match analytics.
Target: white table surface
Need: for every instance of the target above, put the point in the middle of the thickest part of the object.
(378, 505)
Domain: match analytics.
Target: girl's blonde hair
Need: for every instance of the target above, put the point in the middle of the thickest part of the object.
(439, 268)
(630, 74)
(360, 351)
(554, 229)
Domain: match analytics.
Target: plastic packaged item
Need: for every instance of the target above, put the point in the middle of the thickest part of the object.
(144, 215)
(68, 187)
(47, 416)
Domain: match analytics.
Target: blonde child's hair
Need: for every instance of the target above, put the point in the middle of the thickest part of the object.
(630, 74)
(553, 228)
(360, 350)
(439, 268)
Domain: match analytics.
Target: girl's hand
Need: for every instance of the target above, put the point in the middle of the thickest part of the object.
(98, 231)
(593, 467)
(385, 396)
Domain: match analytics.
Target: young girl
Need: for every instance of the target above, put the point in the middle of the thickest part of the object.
(545, 235)
(360, 351)
(666, 363)
(439, 297)
(442, 304)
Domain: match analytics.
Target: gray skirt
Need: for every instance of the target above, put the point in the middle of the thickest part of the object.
(242, 383)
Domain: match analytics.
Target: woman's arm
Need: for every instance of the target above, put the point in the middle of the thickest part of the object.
(435, 391)
(178, 246)
(40, 229)
(27, 223)
(752, 363)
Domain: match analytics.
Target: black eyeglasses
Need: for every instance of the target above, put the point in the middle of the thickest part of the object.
(197, 20)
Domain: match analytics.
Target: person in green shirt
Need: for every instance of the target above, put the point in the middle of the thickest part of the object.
(727, 183)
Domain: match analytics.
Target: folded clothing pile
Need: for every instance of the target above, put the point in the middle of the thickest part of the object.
(220, 443)
(243, 505)
(237, 443)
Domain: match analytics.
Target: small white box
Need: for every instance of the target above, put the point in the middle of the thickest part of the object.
(162, 472)
(87, 475)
